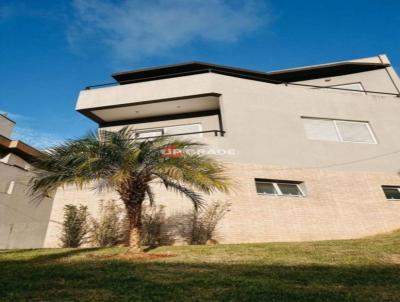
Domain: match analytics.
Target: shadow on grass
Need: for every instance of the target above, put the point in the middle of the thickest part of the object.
(60, 255)
(43, 279)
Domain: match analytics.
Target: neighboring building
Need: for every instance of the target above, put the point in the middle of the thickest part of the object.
(23, 219)
(314, 151)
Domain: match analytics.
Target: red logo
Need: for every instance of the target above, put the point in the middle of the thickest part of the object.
(172, 152)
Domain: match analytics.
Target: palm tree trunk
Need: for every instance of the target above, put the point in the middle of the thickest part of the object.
(134, 211)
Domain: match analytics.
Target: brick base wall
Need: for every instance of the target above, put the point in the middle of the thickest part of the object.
(338, 205)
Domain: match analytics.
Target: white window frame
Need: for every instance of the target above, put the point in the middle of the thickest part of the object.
(339, 135)
(144, 131)
(391, 187)
(278, 189)
(354, 122)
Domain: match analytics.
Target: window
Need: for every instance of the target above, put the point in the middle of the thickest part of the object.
(338, 130)
(171, 130)
(391, 192)
(353, 86)
(279, 187)
(149, 133)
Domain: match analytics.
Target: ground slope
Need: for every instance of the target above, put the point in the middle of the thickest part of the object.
(348, 270)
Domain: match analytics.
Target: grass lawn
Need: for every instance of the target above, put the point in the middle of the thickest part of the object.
(348, 270)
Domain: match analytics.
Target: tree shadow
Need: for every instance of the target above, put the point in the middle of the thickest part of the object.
(45, 279)
(55, 254)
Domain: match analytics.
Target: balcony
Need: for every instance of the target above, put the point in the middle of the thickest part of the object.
(153, 110)
(152, 100)
(186, 106)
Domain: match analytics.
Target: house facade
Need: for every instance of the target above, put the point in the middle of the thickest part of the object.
(314, 151)
(23, 219)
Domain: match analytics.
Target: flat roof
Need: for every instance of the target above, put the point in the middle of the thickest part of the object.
(288, 75)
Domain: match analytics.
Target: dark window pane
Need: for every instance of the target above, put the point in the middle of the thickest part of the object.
(289, 189)
(391, 193)
(265, 188)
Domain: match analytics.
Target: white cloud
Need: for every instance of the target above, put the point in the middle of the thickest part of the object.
(136, 29)
(35, 138)
(19, 117)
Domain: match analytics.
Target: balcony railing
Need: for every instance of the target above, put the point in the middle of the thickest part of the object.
(286, 83)
(216, 133)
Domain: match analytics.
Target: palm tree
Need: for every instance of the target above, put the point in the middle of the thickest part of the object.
(115, 160)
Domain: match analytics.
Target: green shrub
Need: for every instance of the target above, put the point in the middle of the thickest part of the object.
(108, 229)
(75, 226)
(198, 227)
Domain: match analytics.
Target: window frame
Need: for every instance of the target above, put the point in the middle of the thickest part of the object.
(339, 135)
(374, 140)
(276, 183)
(163, 130)
(149, 130)
(390, 187)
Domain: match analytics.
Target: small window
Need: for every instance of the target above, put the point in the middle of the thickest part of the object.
(279, 187)
(391, 192)
(338, 130)
(149, 133)
(264, 187)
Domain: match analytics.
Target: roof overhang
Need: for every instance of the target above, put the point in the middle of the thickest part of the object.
(153, 109)
(18, 148)
(324, 71)
(289, 75)
(184, 69)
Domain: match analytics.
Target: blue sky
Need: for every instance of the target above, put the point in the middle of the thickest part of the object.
(50, 50)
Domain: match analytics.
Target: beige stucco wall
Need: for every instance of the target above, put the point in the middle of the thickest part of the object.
(380, 80)
(263, 121)
(23, 219)
(375, 80)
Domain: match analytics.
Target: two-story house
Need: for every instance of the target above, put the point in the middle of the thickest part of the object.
(314, 151)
